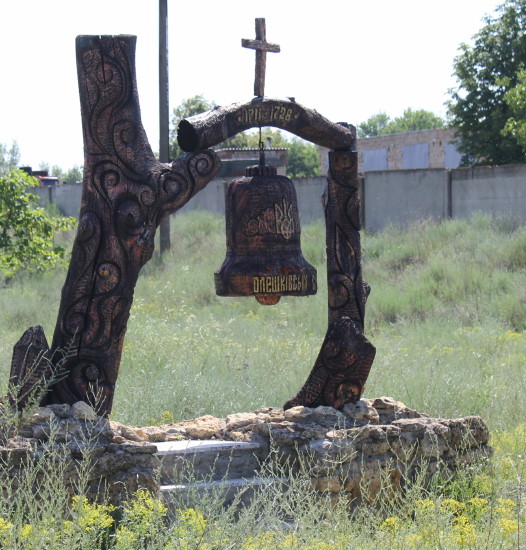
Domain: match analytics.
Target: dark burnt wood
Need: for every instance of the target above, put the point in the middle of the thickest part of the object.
(264, 257)
(213, 127)
(261, 46)
(31, 369)
(126, 193)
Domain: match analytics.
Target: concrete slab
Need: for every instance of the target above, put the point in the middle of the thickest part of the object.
(203, 446)
(210, 459)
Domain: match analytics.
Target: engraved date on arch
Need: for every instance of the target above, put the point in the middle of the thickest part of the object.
(267, 115)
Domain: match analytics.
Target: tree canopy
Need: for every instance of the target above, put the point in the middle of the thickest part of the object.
(9, 157)
(516, 100)
(303, 158)
(410, 121)
(73, 175)
(485, 71)
(373, 126)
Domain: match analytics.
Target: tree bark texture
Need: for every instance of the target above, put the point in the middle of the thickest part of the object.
(126, 194)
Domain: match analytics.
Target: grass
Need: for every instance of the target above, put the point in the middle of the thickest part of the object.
(447, 313)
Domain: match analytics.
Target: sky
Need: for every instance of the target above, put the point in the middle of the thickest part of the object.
(347, 59)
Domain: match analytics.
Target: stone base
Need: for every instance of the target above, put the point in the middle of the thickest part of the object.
(373, 446)
(370, 448)
(84, 448)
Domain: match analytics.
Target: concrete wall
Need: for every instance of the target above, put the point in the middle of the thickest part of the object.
(496, 190)
(388, 197)
(66, 197)
(404, 196)
(211, 198)
(309, 192)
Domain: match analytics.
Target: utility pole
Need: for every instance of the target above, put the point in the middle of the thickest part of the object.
(164, 114)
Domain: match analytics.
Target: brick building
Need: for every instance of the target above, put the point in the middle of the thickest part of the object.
(405, 151)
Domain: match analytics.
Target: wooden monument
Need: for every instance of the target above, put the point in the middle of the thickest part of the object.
(126, 194)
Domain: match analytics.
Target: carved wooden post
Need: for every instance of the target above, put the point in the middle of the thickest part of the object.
(346, 356)
(126, 194)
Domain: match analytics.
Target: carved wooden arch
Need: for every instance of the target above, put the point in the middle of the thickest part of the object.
(215, 126)
(346, 356)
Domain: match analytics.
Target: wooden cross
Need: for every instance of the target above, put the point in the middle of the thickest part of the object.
(261, 46)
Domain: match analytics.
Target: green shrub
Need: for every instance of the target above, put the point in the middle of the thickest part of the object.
(26, 230)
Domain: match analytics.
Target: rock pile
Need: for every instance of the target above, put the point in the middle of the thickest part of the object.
(76, 440)
(370, 445)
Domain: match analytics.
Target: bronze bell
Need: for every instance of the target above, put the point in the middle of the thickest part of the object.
(263, 257)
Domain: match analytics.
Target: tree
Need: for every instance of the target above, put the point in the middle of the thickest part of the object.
(515, 98)
(73, 175)
(303, 159)
(412, 121)
(9, 157)
(485, 72)
(373, 126)
(250, 139)
(26, 230)
(380, 124)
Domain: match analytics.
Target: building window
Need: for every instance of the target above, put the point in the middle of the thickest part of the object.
(415, 156)
(375, 159)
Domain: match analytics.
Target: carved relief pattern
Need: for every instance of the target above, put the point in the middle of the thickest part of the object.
(126, 194)
(346, 356)
(211, 128)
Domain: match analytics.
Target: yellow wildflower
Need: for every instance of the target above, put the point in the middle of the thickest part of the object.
(414, 541)
(5, 526)
(25, 531)
(391, 524)
(191, 521)
(425, 505)
(464, 532)
(508, 526)
(453, 506)
(505, 508)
